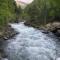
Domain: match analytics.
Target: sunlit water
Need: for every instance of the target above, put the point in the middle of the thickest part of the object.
(30, 44)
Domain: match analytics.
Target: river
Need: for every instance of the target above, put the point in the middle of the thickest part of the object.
(32, 44)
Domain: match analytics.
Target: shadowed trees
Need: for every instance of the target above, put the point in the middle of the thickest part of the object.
(43, 11)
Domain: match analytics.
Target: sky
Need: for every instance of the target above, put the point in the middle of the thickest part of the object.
(25, 1)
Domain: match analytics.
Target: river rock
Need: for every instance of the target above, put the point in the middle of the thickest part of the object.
(8, 33)
(54, 28)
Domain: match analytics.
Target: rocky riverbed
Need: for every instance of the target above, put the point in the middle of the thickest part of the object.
(5, 35)
(8, 33)
(53, 27)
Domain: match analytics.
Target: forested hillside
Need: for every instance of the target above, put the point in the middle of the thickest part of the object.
(7, 11)
(39, 12)
(43, 11)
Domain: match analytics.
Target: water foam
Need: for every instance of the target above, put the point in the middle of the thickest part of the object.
(30, 44)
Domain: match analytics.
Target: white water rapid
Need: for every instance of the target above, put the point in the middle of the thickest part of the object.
(30, 44)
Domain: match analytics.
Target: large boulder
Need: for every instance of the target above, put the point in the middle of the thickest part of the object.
(54, 27)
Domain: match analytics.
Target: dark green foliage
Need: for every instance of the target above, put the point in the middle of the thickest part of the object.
(7, 11)
(18, 12)
(43, 11)
(39, 11)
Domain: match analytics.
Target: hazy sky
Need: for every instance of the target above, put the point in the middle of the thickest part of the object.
(19, 3)
(25, 1)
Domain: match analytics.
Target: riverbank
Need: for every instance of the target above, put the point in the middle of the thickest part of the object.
(6, 34)
(53, 27)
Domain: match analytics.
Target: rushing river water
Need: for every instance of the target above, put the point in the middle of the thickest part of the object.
(31, 44)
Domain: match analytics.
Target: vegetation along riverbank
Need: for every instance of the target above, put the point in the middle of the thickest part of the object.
(41, 14)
